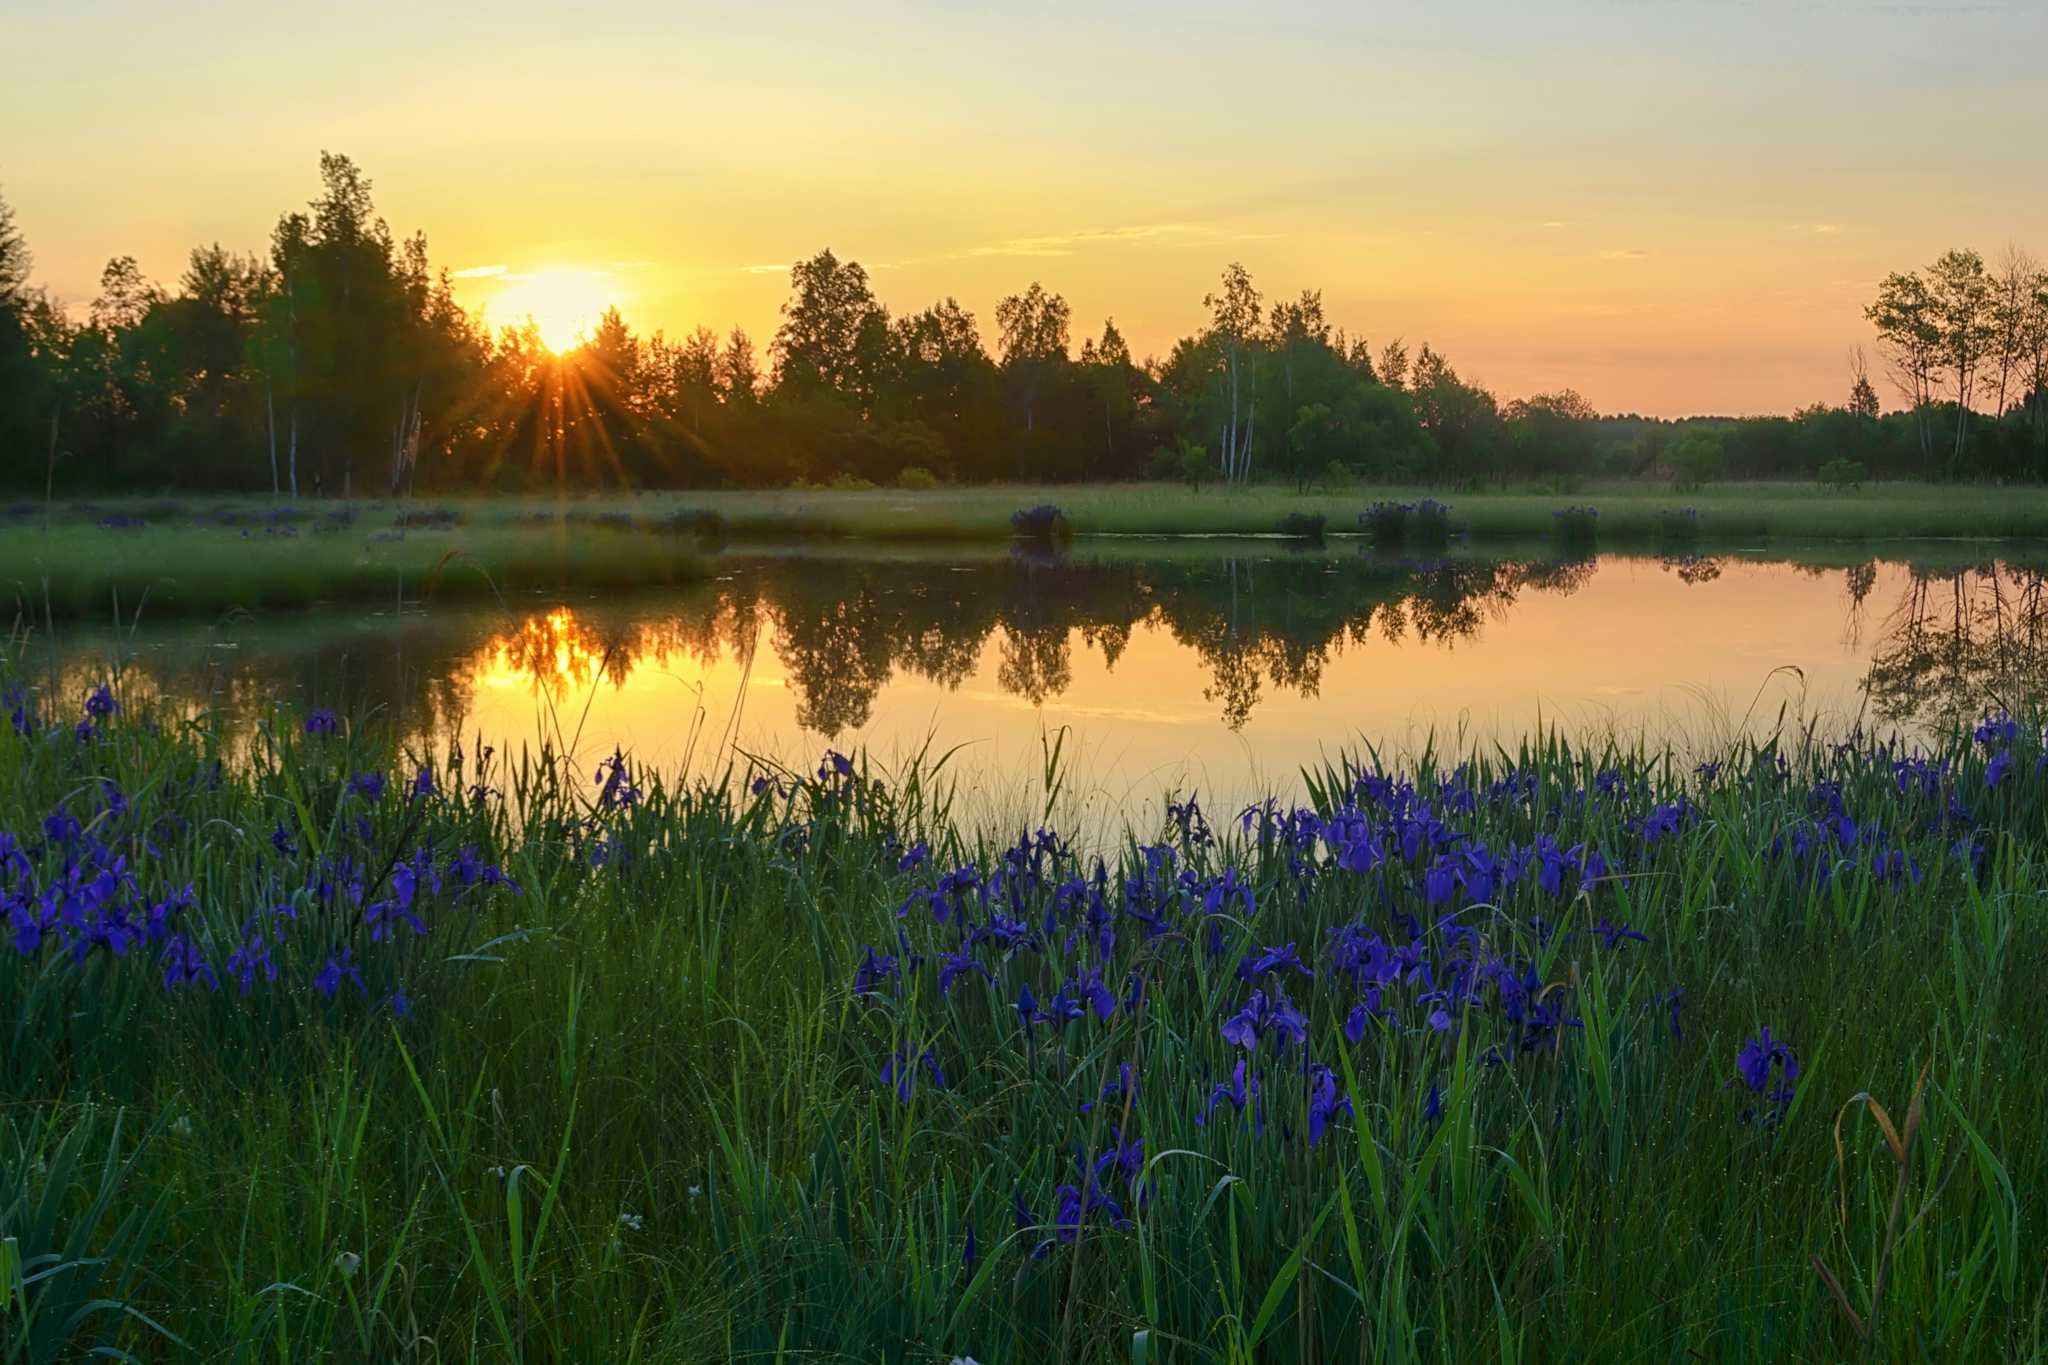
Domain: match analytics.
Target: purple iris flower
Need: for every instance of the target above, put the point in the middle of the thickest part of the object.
(1759, 1055)
(872, 972)
(100, 704)
(952, 966)
(1324, 1103)
(1613, 935)
(337, 970)
(1279, 960)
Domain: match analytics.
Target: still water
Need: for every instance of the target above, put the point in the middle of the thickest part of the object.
(1223, 667)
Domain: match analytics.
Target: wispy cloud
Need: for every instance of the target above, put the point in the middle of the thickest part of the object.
(1554, 224)
(1627, 253)
(1067, 243)
(479, 272)
(1826, 229)
(781, 268)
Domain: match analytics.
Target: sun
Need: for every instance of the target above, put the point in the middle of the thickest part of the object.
(564, 303)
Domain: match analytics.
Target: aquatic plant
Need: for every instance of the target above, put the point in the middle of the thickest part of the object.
(1044, 524)
(1303, 525)
(1432, 523)
(1576, 527)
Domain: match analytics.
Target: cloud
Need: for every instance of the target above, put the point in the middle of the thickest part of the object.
(1554, 224)
(1631, 253)
(779, 269)
(479, 272)
(1826, 229)
(1067, 243)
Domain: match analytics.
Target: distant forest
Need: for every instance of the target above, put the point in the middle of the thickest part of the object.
(339, 363)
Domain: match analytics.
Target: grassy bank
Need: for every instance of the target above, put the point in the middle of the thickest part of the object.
(205, 557)
(1474, 1069)
(86, 569)
(1630, 514)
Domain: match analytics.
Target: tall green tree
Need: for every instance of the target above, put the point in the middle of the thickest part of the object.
(1234, 324)
(834, 334)
(1033, 343)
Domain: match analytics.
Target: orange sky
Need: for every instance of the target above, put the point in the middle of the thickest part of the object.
(1676, 207)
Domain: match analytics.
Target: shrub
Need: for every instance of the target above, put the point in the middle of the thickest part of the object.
(1336, 474)
(1432, 522)
(1843, 476)
(916, 478)
(1303, 525)
(1696, 458)
(1044, 524)
(697, 521)
(1678, 525)
(1577, 527)
(427, 518)
(850, 483)
(1386, 522)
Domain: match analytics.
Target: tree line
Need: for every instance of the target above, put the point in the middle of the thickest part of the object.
(337, 362)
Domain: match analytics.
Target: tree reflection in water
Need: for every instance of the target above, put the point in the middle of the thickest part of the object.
(1946, 641)
(1960, 640)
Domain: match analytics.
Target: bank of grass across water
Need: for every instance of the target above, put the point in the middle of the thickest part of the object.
(1522, 1054)
(90, 571)
(205, 556)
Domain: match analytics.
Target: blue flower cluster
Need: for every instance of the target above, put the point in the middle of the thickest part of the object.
(78, 889)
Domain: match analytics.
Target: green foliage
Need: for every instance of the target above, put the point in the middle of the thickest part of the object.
(337, 362)
(76, 1229)
(916, 478)
(1696, 459)
(1843, 476)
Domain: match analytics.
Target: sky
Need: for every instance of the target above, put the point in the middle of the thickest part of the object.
(1673, 206)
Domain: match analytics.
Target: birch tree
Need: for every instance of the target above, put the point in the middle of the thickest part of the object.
(1909, 337)
(1959, 291)
(1235, 317)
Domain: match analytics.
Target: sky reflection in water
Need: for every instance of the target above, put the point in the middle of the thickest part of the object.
(1221, 671)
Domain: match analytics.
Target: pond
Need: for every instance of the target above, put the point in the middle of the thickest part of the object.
(1142, 667)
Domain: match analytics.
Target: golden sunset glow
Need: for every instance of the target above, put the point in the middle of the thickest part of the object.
(563, 302)
(551, 652)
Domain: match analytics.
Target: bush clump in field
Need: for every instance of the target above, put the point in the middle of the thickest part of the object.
(1576, 527)
(1044, 524)
(702, 522)
(427, 519)
(1303, 525)
(1184, 462)
(1678, 525)
(1697, 459)
(1843, 475)
(1432, 523)
(1386, 523)
(917, 479)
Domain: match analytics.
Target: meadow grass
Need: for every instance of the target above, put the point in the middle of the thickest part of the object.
(692, 1088)
(72, 571)
(199, 557)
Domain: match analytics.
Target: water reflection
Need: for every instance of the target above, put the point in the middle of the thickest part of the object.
(1294, 652)
(1960, 641)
